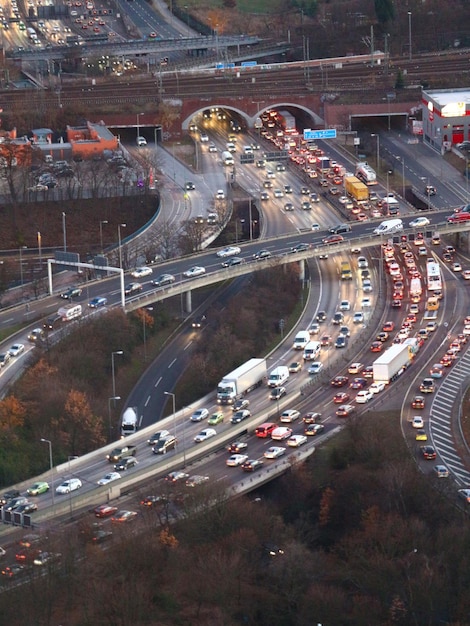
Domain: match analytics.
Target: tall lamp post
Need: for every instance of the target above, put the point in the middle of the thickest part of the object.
(64, 231)
(410, 53)
(51, 465)
(173, 397)
(120, 352)
(21, 263)
(113, 399)
(40, 251)
(119, 243)
(101, 233)
(377, 139)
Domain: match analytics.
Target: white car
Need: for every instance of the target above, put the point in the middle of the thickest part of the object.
(199, 415)
(139, 272)
(366, 303)
(417, 422)
(456, 267)
(296, 440)
(315, 367)
(345, 305)
(358, 317)
(229, 251)
(205, 434)
(281, 432)
(419, 222)
(16, 349)
(377, 387)
(364, 396)
(274, 452)
(220, 194)
(362, 263)
(315, 227)
(69, 485)
(109, 478)
(355, 368)
(278, 193)
(194, 271)
(236, 459)
(289, 416)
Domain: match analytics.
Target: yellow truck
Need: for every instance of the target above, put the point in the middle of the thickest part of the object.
(357, 190)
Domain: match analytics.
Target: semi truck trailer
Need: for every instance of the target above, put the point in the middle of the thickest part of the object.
(357, 190)
(241, 381)
(391, 363)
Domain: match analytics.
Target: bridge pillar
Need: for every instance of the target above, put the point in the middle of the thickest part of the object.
(189, 304)
(302, 270)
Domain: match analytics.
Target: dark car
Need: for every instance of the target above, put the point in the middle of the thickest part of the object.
(252, 465)
(339, 381)
(9, 495)
(13, 504)
(198, 322)
(300, 247)
(165, 444)
(26, 508)
(52, 322)
(126, 463)
(242, 403)
(164, 279)
(428, 453)
(132, 288)
(73, 292)
(358, 383)
(236, 447)
(321, 316)
(314, 429)
(239, 416)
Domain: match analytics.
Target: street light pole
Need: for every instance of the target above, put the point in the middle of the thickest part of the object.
(21, 263)
(110, 434)
(51, 467)
(112, 369)
(101, 233)
(145, 331)
(40, 251)
(377, 138)
(173, 397)
(64, 230)
(409, 36)
(119, 243)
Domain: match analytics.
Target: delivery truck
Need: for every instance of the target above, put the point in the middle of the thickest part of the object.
(356, 189)
(391, 363)
(366, 173)
(129, 421)
(241, 381)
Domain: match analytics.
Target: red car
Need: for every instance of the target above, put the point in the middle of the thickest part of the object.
(417, 402)
(339, 381)
(428, 453)
(341, 398)
(388, 327)
(333, 239)
(104, 510)
(376, 346)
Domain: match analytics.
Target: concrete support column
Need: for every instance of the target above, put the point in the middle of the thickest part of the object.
(189, 304)
(302, 270)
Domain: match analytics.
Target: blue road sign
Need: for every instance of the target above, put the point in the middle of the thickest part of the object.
(327, 133)
(249, 63)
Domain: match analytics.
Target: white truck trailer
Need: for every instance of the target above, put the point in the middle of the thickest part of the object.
(391, 363)
(129, 421)
(241, 381)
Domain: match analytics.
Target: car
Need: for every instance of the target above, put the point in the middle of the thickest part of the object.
(196, 270)
(288, 189)
(233, 261)
(237, 446)
(358, 317)
(264, 196)
(295, 441)
(4, 358)
(341, 398)
(16, 349)
(338, 318)
(262, 254)
(150, 501)
(300, 247)
(26, 508)
(314, 328)
(461, 216)
(278, 193)
(13, 570)
(313, 429)
(325, 340)
(456, 267)
(362, 263)
(417, 422)
(377, 387)
(98, 302)
(306, 205)
(295, 367)
(132, 288)
(340, 381)
(252, 465)
(163, 279)
(368, 372)
(205, 434)
(124, 517)
(236, 459)
(366, 286)
(281, 432)
(241, 403)
(332, 239)
(376, 346)
(199, 415)
(277, 393)
(464, 494)
(239, 416)
(163, 445)
(315, 227)
(358, 383)
(288, 206)
(274, 452)
(43, 558)
(417, 402)
(321, 316)
(355, 368)
(104, 510)
(38, 488)
(419, 222)
(428, 453)
(189, 186)
(345, 305)
(160, 434)
(344, 331)
(364, 396)
(441, 471)
(366, 303)
(382, 336)
(72, 292)
(437, 371)
(125, 463)
(315, 367)
(198, 322)
(216, 418)
(290, 415)
(341, 342)
(421, 435)
(174, 477)
(229, 251)
(109, 478)
(140, 272)
(69, 485)
(344, 410)
(427, 386)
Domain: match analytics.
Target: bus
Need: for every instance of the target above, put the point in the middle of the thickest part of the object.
(415, 290)
(434, 279)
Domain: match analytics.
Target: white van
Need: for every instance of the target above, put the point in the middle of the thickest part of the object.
(278, 376)
(389, 227)
(301, 339)
(141, 141)
(312, 350)
(227, 158)
(70, 312)
(231, 147)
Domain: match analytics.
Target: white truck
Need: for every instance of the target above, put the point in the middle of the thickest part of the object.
(227, 158)
(241, 381)
(301, 339)
(366, 173)
(391, 363)
(389, 227)
(129, 421)
(70, 312)
(278, 376)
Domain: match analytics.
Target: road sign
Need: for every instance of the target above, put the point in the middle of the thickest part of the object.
(327, 133)
(249, 63)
